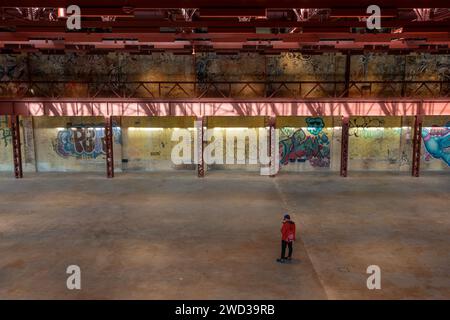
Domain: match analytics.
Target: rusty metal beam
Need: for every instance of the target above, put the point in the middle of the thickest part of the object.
(17, 152)
(348, 59)
(201, 123)
(141, 4)
(344, 146)
(166, 90)
(273, 146)
(109, 146)
(149, 25)
(417, 139)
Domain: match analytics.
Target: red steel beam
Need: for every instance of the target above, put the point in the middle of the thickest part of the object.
(143, 36)
(228, 107)
(200, 144)
(150, 24)
(17, 152)
(417, 139)
(109, 146)
(167, 90)
(271, 144)
(344, 146)
(228, 4)
(348, 59)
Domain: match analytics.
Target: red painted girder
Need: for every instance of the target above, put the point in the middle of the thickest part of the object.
(150, 24)
(221, 37)
(227, 4)
(230, 107)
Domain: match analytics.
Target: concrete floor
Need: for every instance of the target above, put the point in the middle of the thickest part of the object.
(175, 236)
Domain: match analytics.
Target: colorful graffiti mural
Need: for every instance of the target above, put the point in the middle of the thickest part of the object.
(437, 142)
(83, 141)
(296, 145)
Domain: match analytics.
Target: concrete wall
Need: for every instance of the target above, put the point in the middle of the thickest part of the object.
(73, 144)
(241, 146)
(145, 144)
(149, 149)
(6, 156)
(27, 145)
(375, 143)
(212, 67)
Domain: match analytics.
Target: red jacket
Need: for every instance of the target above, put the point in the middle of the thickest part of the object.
(287, 229)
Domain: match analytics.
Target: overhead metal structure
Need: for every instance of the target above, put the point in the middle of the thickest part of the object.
(261, 26)
(190, 27)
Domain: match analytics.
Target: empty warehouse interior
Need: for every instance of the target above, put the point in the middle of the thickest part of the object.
(158, 147)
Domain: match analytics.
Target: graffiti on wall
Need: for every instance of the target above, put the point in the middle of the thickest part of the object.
(366, 127)
(83, 141)
(296, 145)
(5, 132)
(437, 142)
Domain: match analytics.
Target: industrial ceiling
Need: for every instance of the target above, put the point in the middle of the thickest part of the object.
(186, 27)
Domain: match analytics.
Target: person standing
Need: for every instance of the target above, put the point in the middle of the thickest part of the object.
(287, 238)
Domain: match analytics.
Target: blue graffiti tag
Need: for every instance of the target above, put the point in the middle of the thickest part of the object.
(84, 141)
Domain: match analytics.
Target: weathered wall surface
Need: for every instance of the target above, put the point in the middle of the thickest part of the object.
(414, 67)
(203, 67)
(236, 148)
(145, 144)
(149, 149)
(376, 149)
(27, 145)
(6, 157)
(148, 143)
(73, 144)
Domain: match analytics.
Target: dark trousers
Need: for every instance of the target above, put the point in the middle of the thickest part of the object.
(283, 249)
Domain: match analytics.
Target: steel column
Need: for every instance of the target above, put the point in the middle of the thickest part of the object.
(109, 146)
(344, 146)
(201, 122)
(417, 140)
(17, 152)
(347, 75)
(272, 144)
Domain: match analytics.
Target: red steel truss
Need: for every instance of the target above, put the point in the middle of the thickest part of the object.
(226, 89)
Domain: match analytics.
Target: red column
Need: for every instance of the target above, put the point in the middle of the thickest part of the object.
(17, 152)
(417, 140)
(199, 142)
(109, 147)
(348, 59)
(273, 144)
(344, 147)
